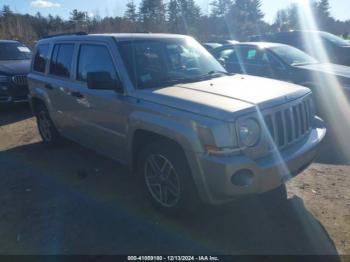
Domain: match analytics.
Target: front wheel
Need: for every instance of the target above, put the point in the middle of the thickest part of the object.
(166, 177)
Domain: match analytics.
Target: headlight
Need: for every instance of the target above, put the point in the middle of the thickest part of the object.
(4, 78)
(249, 132)
(218, 139)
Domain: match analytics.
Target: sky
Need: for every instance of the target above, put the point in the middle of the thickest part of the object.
(339, 8)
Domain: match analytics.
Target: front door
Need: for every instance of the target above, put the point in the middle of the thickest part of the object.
(98, 112)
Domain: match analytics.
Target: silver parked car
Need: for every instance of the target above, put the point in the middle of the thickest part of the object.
(165, 107)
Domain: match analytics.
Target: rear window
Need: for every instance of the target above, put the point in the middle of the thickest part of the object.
(40, 58)
(61, 60)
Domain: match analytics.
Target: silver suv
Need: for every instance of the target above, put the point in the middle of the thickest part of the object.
(165, 107)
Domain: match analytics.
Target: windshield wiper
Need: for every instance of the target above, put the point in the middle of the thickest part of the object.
(211, 74)
(304, 63)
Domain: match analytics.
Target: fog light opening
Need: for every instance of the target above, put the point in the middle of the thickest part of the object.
(242, 177)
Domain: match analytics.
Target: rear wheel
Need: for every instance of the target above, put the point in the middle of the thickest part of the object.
(47, 129)
(166, 177)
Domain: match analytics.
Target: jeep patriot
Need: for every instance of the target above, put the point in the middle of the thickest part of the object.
(165, 107)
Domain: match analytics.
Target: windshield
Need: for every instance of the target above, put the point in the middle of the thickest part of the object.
(334, 39)
(293, 56)
(163, 62)
(14, 51)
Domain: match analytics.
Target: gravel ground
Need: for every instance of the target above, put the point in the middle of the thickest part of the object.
(69, 200)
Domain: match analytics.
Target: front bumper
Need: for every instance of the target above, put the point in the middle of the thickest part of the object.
(13, 94)
(268, 172)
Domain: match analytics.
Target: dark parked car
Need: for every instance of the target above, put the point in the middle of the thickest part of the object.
(337, 49)
(211, 46)
(229, 42)
(15, 60)
(282, 62)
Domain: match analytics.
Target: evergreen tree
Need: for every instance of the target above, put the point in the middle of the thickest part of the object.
(220, 8)
(152, 15)
(183, 16)
(287, 19)
(245, 18)
(322, 14)
(131, 13)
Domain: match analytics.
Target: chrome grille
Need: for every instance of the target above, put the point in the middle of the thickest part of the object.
(288, 125)
(20, 80)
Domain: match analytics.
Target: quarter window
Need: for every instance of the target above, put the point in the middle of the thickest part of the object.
(61, 60)
(40, 58)
(92, 59)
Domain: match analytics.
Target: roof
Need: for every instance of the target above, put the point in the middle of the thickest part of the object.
(119, 36)
(9, 41)
(260, 44)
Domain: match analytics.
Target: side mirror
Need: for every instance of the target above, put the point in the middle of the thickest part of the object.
(222, 62)
(103, 81)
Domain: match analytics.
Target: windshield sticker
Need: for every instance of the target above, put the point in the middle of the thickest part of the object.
(23, 49)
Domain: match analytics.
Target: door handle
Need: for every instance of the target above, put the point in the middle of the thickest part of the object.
(48, 86)
(77, 94)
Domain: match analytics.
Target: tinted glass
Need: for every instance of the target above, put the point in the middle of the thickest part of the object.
(292, 55)
(94, 58)
(14, 51)
(163, 62)
(40, 59)
(61, 60)
(334, 39)
(250, 55)
(227, 55)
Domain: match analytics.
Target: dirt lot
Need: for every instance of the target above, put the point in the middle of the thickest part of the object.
(70, 200)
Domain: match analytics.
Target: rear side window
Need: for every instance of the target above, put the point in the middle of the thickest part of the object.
(92, 59)
(40, 58)
(61, 60)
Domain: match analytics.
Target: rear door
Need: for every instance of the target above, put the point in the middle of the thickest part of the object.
(58, 83)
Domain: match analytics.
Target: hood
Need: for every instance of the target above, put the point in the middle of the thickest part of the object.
(221, 97)
(334, 69)
(15, 67)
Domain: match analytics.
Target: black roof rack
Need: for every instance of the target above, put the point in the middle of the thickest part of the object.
(64, 34)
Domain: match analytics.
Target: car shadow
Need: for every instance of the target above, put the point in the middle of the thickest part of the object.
(12, 114)
(250, 226)
(330, 153)
(254, 227)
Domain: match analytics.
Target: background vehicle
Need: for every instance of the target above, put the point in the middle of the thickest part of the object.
(14, 67)
(338, 49)
(211, 46)
(229, 42)
(164, 106)
(282, 62)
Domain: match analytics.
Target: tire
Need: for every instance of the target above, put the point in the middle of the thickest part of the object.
(166, 178)
(46, 127)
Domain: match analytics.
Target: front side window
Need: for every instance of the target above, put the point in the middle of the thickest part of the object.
(41, 58)
(250, 55)
(228, 55)
(93, 59)
(157, 63)
(61, 60)
(14, 51)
